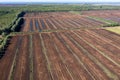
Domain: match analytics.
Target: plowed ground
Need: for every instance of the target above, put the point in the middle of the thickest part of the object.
(88, 54)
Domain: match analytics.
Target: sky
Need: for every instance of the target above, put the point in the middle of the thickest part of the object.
(59, 0)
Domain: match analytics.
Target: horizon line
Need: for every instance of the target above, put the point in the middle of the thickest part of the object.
(60, 2)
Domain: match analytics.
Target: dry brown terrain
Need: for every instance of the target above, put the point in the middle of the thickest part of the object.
(113, 15)
(83, 54)
(57, 21)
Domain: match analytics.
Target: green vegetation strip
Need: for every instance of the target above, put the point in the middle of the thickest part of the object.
(4, 41)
